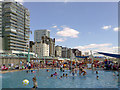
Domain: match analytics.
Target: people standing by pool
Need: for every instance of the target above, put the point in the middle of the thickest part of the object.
(29, 66)
(73, 71)
(61, 67)
(80, 71)
(76, 69)
(38, 67)
(84, 72)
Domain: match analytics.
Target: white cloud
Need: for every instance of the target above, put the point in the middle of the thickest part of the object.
(19, 0)
(58, 29)
(115, 29)
(55, 26)
(91, 46)
(60, 40)
(106, 27)
(68, 32)
(48, 30)
(106, 47)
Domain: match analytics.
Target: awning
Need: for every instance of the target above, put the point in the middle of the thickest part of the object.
(111, 55)
(82, 56)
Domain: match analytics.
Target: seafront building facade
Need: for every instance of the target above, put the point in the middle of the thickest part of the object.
(51, 42)
(77, 52)
(15, 28)
(40, 49)
(58, 51)
(1, 38)
(44, 45)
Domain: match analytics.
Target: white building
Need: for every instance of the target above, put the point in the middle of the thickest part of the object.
(41, 49)
(44, 50)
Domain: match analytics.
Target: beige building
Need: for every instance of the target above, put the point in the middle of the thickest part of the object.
(41, 49)
(51, 43)
(58, 51)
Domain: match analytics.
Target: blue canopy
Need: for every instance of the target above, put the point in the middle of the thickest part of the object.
(82, 56)
(111, 55)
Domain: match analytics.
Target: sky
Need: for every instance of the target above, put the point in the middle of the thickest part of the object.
(82, 25)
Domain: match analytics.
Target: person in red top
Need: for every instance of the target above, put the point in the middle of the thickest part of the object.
(46, 62)
(53, 62)
(31, 65)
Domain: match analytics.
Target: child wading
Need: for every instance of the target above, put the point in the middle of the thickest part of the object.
(34, 83)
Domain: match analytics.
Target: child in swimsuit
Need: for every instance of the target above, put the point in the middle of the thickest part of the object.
(55, 74)
(35, 82)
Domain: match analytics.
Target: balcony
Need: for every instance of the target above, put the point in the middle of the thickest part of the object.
(12, 38)
(17, 42)
(15, 48)
(11, 44)
(11, 30)
(13, 18)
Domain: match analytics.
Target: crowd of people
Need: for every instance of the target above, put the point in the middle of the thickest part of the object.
(106, 64)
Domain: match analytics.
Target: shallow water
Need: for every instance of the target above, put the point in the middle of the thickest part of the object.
(106, 80)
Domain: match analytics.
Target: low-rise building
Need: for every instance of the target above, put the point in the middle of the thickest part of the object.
(76, 52)
(58, 51)
(41, 49)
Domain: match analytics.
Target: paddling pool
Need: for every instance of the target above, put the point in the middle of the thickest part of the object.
(106, 79)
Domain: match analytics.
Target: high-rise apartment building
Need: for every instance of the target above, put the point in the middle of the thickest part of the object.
(15, 27)
(1, 39)
(39, 33)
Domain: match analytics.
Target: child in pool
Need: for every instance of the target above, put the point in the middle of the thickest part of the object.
(55, 74)
(27, 71)
(113, 73)
(84, 72)
(60, 77)
(97, 77)
(32, 71)
(63, 75)
(96, 72)
(51, 75)
(47, 70)
(34, 82)
(66, 75)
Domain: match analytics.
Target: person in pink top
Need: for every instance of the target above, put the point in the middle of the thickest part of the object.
(55, 74)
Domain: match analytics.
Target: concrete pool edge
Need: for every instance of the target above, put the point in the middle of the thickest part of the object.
(62, 88)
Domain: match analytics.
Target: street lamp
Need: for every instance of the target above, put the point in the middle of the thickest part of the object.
(91, 58)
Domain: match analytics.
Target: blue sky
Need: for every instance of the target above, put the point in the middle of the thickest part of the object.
(82, 25)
